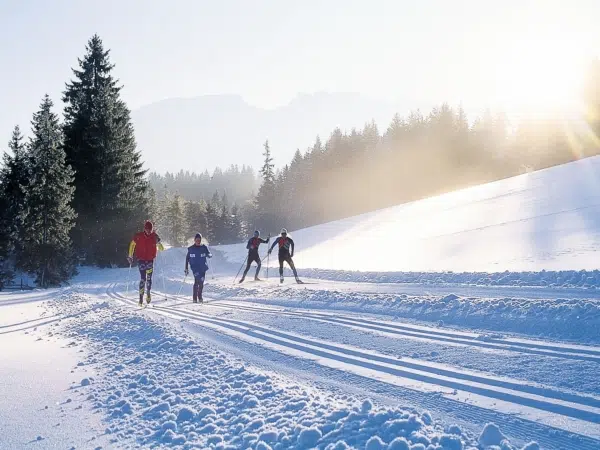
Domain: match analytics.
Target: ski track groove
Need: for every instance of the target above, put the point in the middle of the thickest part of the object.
(549, 436)
(431, 335)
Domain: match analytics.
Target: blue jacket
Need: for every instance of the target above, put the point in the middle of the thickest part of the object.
(196, 258)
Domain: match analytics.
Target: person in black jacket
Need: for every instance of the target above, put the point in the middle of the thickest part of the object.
(286, 253)
(253, 256)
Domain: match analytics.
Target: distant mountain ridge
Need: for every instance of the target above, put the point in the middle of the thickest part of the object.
(219, 130)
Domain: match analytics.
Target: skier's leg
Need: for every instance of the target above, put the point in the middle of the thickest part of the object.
(281, 260)
(201, 276)
(258, 266)
(290, 261)
(149, 272)
(196, 287)
(142, 281)
(247, 269)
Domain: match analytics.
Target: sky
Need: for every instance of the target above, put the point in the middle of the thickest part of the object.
(486, 53)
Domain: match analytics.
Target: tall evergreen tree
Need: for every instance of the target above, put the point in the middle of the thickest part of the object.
(266, 204)
(177, 223)
(49, 216)
(213, 219)
(14, 180)
(111, 196)
(195, 215)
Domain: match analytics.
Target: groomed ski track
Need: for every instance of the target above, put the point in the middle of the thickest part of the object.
(524, 411)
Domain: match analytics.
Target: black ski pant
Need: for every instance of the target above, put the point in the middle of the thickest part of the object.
(146, 269)
(286, 257)
(198, 285)
(253, 257)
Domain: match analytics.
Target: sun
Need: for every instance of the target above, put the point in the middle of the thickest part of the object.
(540, 74)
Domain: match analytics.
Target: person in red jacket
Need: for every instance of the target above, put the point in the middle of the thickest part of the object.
(144, 246)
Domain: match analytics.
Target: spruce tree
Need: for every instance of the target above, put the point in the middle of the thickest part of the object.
(111, 196)
(49, 216)
(14, 180)
(177, 226)
(213, 219)
(266, 204)
(195, 215)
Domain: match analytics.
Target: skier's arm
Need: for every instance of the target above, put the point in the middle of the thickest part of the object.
(291, 247)
(131, 249)
(248, 244)
(208, 253)
(274, 244)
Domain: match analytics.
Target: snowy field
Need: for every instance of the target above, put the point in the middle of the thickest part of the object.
(387, 359)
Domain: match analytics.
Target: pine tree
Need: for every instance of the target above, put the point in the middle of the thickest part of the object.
(49, 216)
(177, 223)
(111, 195)
(14, 180)
(195, 215)
(213, 218)
(266, 205)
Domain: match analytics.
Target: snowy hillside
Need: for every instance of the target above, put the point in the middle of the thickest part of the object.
(546, 220)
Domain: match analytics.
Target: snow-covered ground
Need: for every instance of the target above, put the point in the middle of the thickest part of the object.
(390, 359)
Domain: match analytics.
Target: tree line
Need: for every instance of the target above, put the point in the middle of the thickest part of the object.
(218, 220)
(239, 184)
(76, 190)
(416, 157)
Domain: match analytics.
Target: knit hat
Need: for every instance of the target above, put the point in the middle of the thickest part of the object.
(198, 236)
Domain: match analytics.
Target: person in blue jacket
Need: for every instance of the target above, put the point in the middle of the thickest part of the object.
(196, 259)
(253, 256)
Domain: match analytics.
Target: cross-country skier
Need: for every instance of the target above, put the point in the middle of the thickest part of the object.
(196, 260)
(286, 253)
(253, 256)
(144, 246)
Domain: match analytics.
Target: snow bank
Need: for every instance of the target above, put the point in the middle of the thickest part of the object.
(160, 388)
(554, 279)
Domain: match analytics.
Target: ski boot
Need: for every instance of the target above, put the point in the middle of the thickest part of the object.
(299, 281)
(242, 280)
(148, 298)
(257, 279)
(200, 299)
(141, 298)
(281, 279)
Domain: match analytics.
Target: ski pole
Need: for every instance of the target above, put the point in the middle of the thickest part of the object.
(182, 284)
(212, 275)
(242, 266)
(162, 272)
(128, 280)
(268, 256)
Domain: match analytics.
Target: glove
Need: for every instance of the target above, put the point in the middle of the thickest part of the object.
(270, 250)
(130, 260)
(209, 255)
(186, 272)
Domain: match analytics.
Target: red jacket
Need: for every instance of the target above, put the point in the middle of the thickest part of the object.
(145, 245)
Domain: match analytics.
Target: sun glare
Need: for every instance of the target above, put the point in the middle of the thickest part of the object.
(540, 74)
